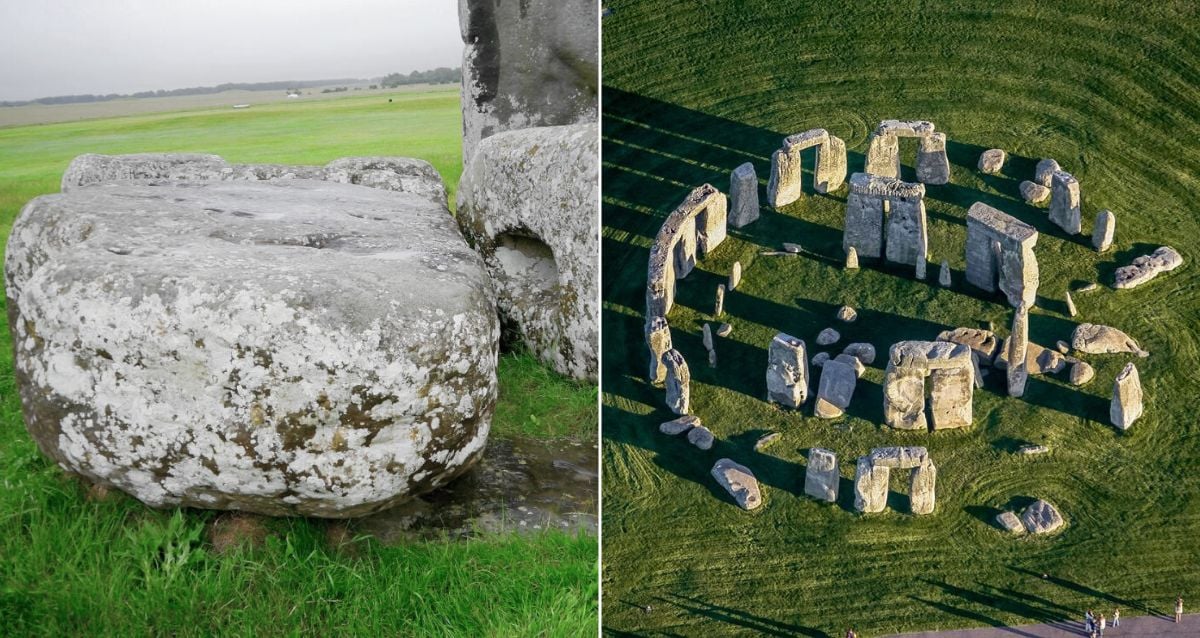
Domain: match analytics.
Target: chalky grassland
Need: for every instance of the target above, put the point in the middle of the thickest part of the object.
(1112, 91)
(73, 566)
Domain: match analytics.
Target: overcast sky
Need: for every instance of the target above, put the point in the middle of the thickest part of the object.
(64, 47)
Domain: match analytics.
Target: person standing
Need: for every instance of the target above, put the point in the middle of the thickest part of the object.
(1103, 622)
(1089, 622)
(1179, 608)
(1116, 618)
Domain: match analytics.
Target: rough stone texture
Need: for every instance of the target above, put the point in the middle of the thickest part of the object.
(992, 160)
(787, 371)
(1062, 346)
(883, 150)
(724, 330)
(784, 185)
(831, 166)
(907, 233)
(678, 383)
(712, 358)
(1044, 172)
(1033, 193)
(864, 352)
(739, 481)
(819, 359)
(835, 389)
(735, 276)
(853, 362)
(922, 489)
(706, 337)
(1064, 202)
(1041, 518)
(700, 437)
(1071, 309)
(528, 64)
(1038, 359)
(852, 258)
(543, 264)
(1009, 522)
(873, 470)
(933, 167)
(658, 342)
(1103, 230)
(952, 372)
(822, 477)
(719, 302)
(919, 272)
(1147, 267)
(295, 347)
(1081, 373)
(743, 196)
(870, 486)
(1126, 404)
(982, 342)
(1018, 344)
(944, 275)
(673, 253)
(847, 314)
(1000, 254)
(827, 337)
(766, 441)
(1091, 338)
(680, 425)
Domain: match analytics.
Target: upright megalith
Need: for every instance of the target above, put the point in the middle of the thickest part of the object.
(872, 472)
(933, 167)
(1000, 254)
(1103, 231)
(678, 382)
(1126, 406)
(907, 236)
(835, 389)
(1064, 202)
(697, 224)
(529, 64)
(949, 367)
(743, 196)
(822, 476)
(883, 151)
(658, 342)
(1018, 344)
(784, 184)
(787, 371)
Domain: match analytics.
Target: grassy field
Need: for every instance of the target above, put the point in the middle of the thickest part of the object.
(73, 564)
(1112, 91)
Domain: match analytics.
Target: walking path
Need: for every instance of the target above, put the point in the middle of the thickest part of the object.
(1139, 626)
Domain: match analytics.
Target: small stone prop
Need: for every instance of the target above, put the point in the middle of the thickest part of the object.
(992, 160)
(864, 352)
(1045, 171)
(1034, 193)
(847, 314)
(766, 441)
(819, 359)
(792, 248)
(700, 437)
(739, 481)
(724, 330)
(851, 258)
(1010, 523)
(1071, 310)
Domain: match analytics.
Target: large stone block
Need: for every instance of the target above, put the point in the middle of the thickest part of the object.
(1147, 267)
(951, 367)
(528, 203)
(658, 342)
(678, 383)
(870, 486)
(822, 477)
(739, 481)
(743, 196)
(784, 184)
(1017, 373)
(1126, 406)
(922, 489)
(830, 172)
(999, 254)
(294, 347)
(835, 389)
(1064, 202)
(933, 167)
(787, 371)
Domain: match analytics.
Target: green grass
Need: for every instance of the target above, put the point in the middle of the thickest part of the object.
(1112, 91)
(74, 566)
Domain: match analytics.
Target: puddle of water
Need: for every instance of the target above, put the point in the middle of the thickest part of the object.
(520, 484)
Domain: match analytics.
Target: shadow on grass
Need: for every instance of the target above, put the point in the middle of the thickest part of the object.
(759, 625)
(1091, 592)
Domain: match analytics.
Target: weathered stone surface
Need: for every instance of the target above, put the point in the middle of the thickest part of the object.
(831, 168)
(1126, 404)
(1091, 338)
(907, 234)
(294, 347)
(1062, 346)
(951, 396)
(719, 303)
(1081, 373)
(952, 371)
(1034, 193)
(1071, 309)
(870, 486)
(766, 441)
(658, 342)
(827, 337)
(1064, 202)
(743, 196)
(784, 185)
(822, 477)
(982, 342)
(852, 258)
(543, 265)
(835, 389)
(944, 275)
(787, 371)
(1044, 172)
(819, 359)
(922, 489)
(678, 383)
(700, 437)
(1103, 230)
(1038, 359)
(1147, 267)
(992, 160)
(706, 337)
(724, 330)
(528, 64)
(933, 167)
(883, 150)
(735, 276)
(872, 472)
(1018, 344)
(697, 224)
(847, 314)
(853, 362)
(1032, 450)
(680, 425)
(1041, 518)
(739, 481)
(1000, 254)
(864, 352)
(899, 457)
(1009, 522)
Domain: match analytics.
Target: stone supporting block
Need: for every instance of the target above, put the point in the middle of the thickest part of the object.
(1018, 343)
(787, 371)
(933, 167)
(698, 223)
(835, 389)
(658, 341)
(822, 477)
(743, 196)
(952, 369)
(1064, 202)
(999, 254)
(872, 471)
(678, 382)
(869, 199)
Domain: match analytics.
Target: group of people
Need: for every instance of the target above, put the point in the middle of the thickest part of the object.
(1095, 626)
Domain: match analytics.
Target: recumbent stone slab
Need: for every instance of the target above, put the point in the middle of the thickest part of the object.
(739, 481)
(1147, 267)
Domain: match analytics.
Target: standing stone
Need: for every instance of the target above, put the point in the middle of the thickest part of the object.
(835, 389)
(851, 258)
(1064, 202)
(922, 488)
(999, 254)
(783, 186)
(658, 341)
(743, 196)
(920, 270)
(830, 173)
(951, 396)
(739, 481)
(1147, 267)
(719, 306)
(991, 161)
(933, 167)
(679, 382)
(870, 486)
(1102, 232)
(1044, 172)
(1126, 404)
(1018, 342)
(700, 437)
(944, 274)
(1033, 193)
(706, 337)
(822, 476)
(1071, 305)
(787, 371)
(735, 275)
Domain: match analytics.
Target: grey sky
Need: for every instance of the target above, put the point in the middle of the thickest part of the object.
(63, 47)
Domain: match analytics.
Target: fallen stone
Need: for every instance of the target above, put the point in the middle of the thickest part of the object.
(724, 330)
(822, 477)
(679, 382)
(680, 425)
(852, 259)
(766, 441)
(1044, 171)
(982, 342)
(739, 481)
(847, 314)
(1081, 373)
(1032, 450)
(1127, 405)
(792, 248)
(1103, 231)
(1147, 267)
(1088, 287)
(1071, 310)
(1047, 361)
(1010, 523)
(787, 371)
(1091, 338)
(735, 276)
(827, 337)
(129, 299)
(991, 161)
(743, 196)
(700, 437)
(835, 389)
(1041, 518)
(1034, 193)
(819, 359)
(944, 275)
(864, 352)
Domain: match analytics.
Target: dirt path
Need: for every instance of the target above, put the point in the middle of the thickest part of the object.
(1139, 626)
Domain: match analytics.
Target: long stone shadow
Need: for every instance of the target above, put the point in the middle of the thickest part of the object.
(759, 625)
(1003, 600)
(1089, 591)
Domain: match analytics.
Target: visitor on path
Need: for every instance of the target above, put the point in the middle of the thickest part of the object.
(1179, 608)
(850, 633)
(1089, 621)
(1116, 618)
(1103, 622)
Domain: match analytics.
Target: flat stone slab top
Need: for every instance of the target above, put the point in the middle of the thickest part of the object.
(293, 347)
(1147, 267)
(1041, 518)
(1093, 338)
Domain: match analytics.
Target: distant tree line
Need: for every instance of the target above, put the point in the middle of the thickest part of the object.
(440, 75)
